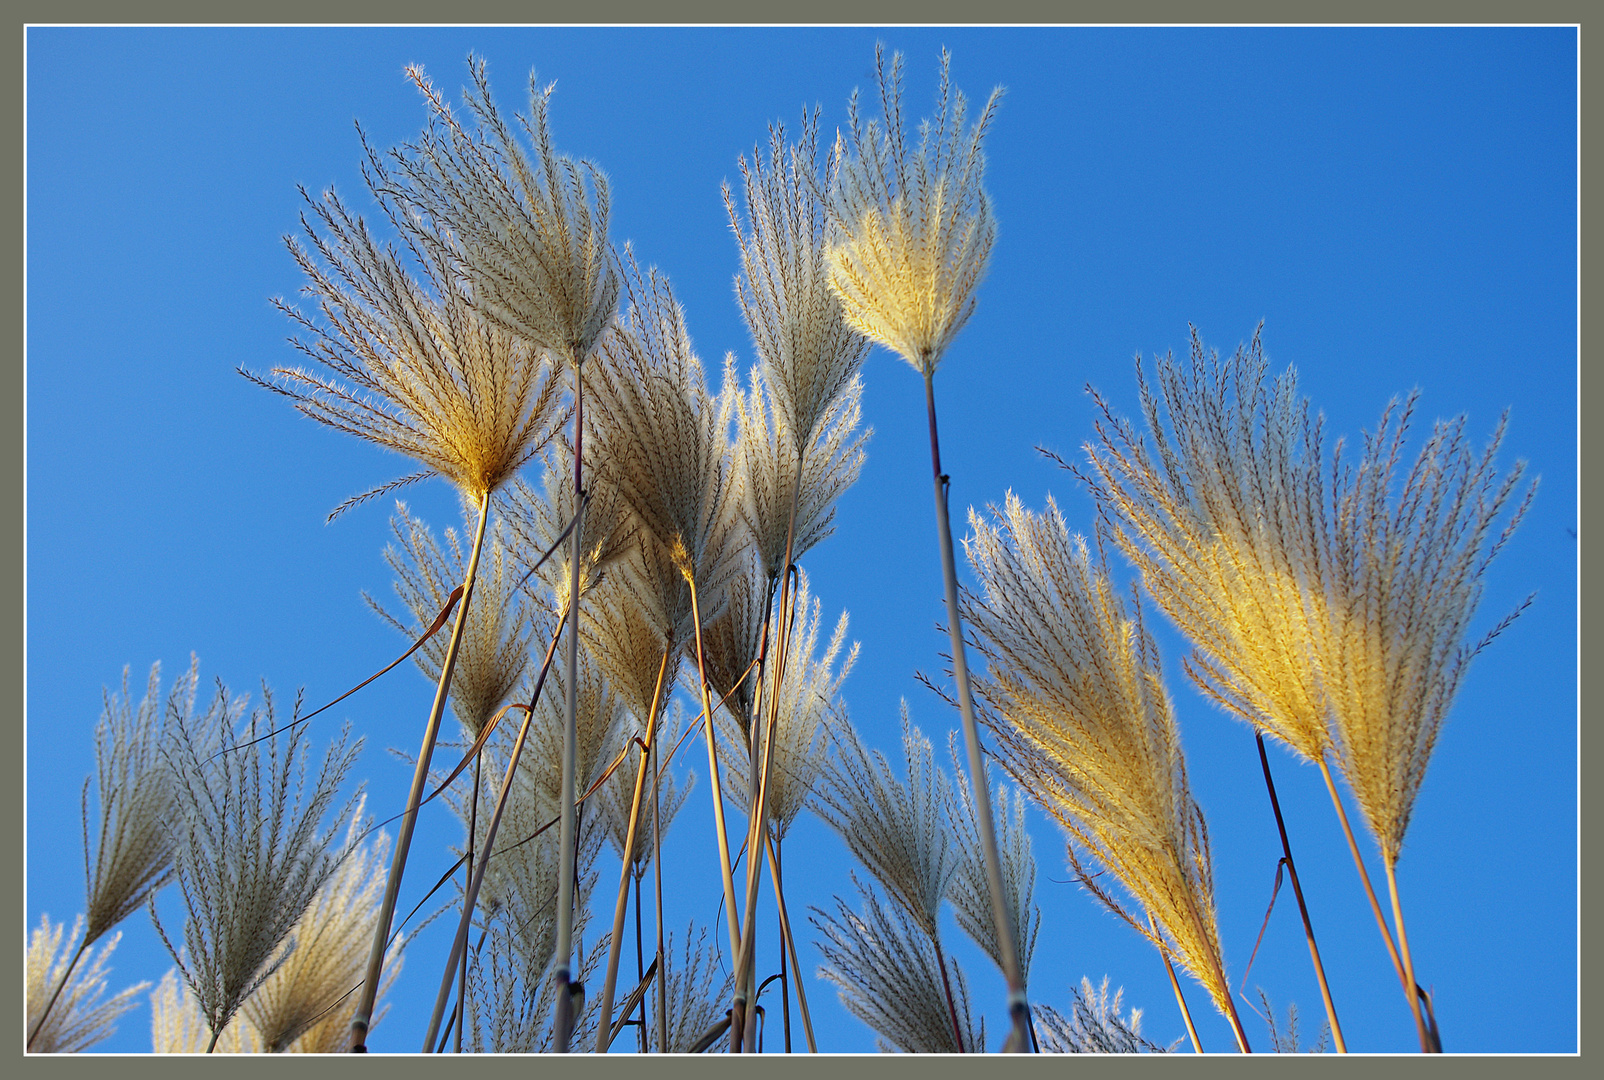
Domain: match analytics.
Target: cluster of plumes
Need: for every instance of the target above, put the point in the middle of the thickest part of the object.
(530, 224)
(917, 838)
(256, 844)
(697, 996)
(1096, 1024)
(1083, 722)
(494, 655)
(1329, 606)
(80, 1015)
(911, 229)
(429, 377)
(305, 1005)
(809, 689)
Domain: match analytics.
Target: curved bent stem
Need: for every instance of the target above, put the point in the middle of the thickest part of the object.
(398, 862)
(1303, 909)
(1018, 1005)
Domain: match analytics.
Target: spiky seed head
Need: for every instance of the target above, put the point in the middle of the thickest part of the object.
(911, 229)
(254, 846)
(402, 358)
(1222, 515)
(897, 828)
(618, 792)
(494, 655)
(1404, 566)
(133, 852)
(808, 351)
(531, 223)
(970, 892)
(1083, 722)
(886, 968)
(79, 1018)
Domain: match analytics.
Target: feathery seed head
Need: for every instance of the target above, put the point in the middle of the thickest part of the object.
(134, 851)
(1083, 722)
(251, 850)
(911, 229)
(969, 891)
(531, 223)
(538, 518)
(494, 654)
(898, 829)
(809, 352)
(1404, 569)
(79, 1018)
(411, 364)
(886, 967)
(1223, 516)
(618, 793)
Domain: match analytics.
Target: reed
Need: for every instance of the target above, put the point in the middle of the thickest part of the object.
(1085, 724)
(911, 234)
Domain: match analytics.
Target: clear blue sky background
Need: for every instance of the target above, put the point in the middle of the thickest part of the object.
(1398, 206)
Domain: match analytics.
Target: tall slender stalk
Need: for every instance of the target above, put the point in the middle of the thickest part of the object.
(420, 776)
(1405, 977)
(712, 768)
(610, 982)
(460, 944)
(567, 843)
(462, 973)
(1175, 984)
(657, 885)
(1426, 1041)
(1018, 1006)
(773, 848)
(757, 817)
(1219, 973)
(1297, 891)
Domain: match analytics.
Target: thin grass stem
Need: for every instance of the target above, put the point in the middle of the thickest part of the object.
(1018, 1005)
(1427, 1044)
(568, 838)
(1303, 909)
(712, 767)
(1175, 984)
(610, 982)
(773, 848)
(460, 943)
(420, 776)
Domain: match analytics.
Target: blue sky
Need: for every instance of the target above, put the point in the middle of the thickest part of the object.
(1398, 207)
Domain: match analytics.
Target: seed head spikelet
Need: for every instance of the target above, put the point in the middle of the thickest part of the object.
(697, 995)
(897, 828)
(494, 654)
(1083, 723)
(809, 691)
(312, 986)
(888, 971)
(253, 849)
(411, 364)
(531, 224)
(1096, 1024)
(1405, 569)
(969, 892)
(767, 465)
(537, 518)
(1221, 516)
(133, 854)
(808, 351)
(615, 796)
(79, 1017)
(911, 229)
